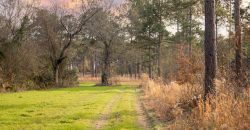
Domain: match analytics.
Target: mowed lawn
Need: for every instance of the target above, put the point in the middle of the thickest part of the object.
(84, 107)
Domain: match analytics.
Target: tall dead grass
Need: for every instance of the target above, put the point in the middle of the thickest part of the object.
(183, 108)
(115, 80)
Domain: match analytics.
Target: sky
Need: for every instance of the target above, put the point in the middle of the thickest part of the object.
(223, 27)
(67, 3)
(71, 4)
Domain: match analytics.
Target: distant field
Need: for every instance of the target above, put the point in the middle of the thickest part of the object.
(86, 107)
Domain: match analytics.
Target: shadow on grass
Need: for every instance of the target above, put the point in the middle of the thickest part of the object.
(19, 106)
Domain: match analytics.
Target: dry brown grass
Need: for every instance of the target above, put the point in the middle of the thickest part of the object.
(116, 80)
(89, 78)
(183, 108)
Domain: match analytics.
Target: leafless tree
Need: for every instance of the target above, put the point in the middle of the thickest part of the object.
(106, 30)
(58, 34)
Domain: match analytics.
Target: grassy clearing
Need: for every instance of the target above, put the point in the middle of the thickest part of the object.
(68, 108)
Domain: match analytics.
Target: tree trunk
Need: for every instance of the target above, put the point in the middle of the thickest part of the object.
(130, 70)
(216, 22)
(138, 66)
(83, 67)
(106, 68)
(160, 38)
(159, 54)
(210, 48)
(190, 31)
(230, 23)
(93, 66)
(150, 64)
(238, 50)
(56, 75)
(216, 29)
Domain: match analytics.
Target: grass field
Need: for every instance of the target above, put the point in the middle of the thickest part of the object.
(85, 107)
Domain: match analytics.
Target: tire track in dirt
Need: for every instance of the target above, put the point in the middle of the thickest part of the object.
(141, 117)
(107, 111)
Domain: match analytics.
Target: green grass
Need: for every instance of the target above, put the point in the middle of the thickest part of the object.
(68, 108)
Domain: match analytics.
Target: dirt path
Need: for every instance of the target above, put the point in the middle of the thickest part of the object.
(105, 115)
(142, 119)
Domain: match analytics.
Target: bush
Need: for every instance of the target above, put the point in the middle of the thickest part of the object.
(44, 80)
(69, 77)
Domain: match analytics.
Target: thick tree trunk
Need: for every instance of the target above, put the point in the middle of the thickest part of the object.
(106, 67)
(238, 50)
(56, 75)
(210, 48)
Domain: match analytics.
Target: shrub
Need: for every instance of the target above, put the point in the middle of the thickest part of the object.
(69, 77)
(44, 79)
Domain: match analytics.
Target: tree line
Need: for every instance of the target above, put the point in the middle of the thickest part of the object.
(43, 47)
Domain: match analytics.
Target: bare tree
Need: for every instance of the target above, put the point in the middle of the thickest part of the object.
(106, 30)
(14, 41)
(59, 34)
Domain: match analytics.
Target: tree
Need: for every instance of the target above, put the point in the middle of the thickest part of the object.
(238, 40)
(106, 30)
(147, 22)
(17, 63)
(209, 48)
(59, 33)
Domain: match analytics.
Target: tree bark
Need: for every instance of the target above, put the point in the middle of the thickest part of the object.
(106, 67)
(210, 48)
(93, 66)
(56, 75)
(83, 67)
(160, 38)
(238, 41)
(138, 66)
(216, 22)
(130, 70)
(190, 31)
(159, 54)
(150, 64)
(229, 32)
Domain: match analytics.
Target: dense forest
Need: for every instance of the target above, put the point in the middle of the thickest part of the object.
(190, 58)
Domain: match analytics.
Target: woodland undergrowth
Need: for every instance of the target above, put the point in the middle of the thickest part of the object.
(182, 105)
